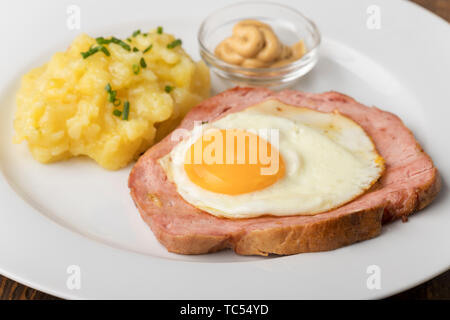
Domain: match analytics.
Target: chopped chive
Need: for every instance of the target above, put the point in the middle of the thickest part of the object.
(143, 64)
(174, 43)
(117, 113)
(159, 30)
(90, 52)
(137, 32)
(148, 48)
(105, 51)
(112, 96)
(129, 39)
(145, 34)
(101, 40)
(124, 45)
(136, 68)
(126, 110)
(121, 43)
(168, 89)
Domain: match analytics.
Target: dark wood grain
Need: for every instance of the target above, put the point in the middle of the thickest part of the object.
(11, 290)
(437, 288)
(439, 7)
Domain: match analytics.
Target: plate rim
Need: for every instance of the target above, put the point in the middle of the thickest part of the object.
(5, 188)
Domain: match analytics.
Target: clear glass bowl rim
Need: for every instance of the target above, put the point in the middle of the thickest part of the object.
(293, 65)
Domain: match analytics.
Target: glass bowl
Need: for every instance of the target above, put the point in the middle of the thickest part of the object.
(289, 25)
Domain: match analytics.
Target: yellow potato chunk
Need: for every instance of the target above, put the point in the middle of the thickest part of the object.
(64, 109)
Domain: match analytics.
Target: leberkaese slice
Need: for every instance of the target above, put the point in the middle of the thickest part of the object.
(409, 183)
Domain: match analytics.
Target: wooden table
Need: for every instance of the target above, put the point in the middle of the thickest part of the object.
(437, 288)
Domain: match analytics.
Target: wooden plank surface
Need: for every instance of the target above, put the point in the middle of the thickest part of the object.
(437, 288)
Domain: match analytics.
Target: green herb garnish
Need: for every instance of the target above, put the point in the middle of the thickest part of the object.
(174, 44)
(137, 32)
(136, 69)
(112, 96)
(102, 41)
(105, 51)
(143, 63)
(129, 39)
(148, 48)
(168, 89)
(159, 30)
(121, 43)
(135, 49)
(117, 113)
(126, 110)
(90, 52)
(93, 50)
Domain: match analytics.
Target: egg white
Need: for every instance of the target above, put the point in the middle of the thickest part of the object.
(329, 161)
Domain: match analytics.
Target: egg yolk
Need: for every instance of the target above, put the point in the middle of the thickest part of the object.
(233, 162)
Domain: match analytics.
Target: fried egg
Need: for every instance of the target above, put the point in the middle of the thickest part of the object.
(273, 159)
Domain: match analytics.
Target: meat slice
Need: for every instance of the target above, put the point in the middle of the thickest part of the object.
(409, 183)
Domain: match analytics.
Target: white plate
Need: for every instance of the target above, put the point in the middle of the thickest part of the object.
(75, 213)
